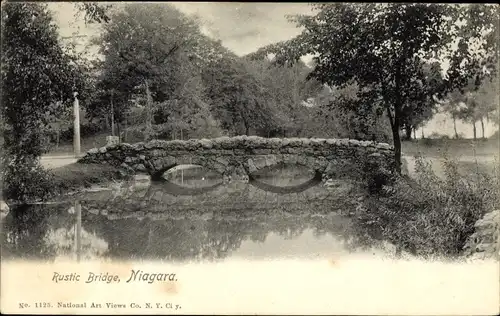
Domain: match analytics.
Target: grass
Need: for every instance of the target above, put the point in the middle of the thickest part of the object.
(87, 143)
(76, 176)
(32, 183)
(453, 147)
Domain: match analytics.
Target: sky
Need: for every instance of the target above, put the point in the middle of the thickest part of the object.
(243, 28)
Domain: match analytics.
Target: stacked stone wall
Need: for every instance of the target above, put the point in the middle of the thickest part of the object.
(237, 157)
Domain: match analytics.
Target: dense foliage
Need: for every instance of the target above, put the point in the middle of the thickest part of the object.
(432, 216)
(392, 51)
(38, 81)
(35, 74)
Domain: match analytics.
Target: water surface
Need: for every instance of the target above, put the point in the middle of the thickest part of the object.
(193, 216)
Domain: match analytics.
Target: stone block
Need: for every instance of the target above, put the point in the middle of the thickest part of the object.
(320, 163)
(311, 161)
(259, 162)
(138, 146)
(270, 160)
(385, 146)
(169, 161)
(112, 140)
(223, 161)
(291, 159)
(262, 151)
(302, 160)
(140, 167)
(251, 166)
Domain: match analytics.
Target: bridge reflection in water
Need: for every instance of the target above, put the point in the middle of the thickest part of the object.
(48, 233)
(214, 195)
(197, 219)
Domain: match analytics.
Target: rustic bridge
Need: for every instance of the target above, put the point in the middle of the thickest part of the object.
(237, 158)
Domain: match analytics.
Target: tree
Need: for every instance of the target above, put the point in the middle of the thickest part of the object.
(288, 88)
(451, 105)
(488, 102)
(473, 104)
(93, 12)
(35, 74)
(156, 51)
(385, 49)
(238, 98)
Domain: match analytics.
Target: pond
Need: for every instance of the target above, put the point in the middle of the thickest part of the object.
(192, 216)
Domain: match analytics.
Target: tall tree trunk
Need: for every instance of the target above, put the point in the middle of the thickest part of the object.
(395, 136)
(414, 133)
(125, 131)
(148, 112)
(422, 130)
(119, 136)
(112, 116)
(408, 130)
(455, 126)
(58, 136)
(474, 130)
(482, 127)
(245, 123)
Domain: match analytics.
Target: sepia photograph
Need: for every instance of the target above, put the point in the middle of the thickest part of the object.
(250, 158)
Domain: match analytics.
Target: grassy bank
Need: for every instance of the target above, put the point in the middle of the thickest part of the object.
(429, 215)
(76, 176)
(32, 183)
(453, 147)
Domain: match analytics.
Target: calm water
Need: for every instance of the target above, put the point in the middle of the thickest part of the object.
(190, 216)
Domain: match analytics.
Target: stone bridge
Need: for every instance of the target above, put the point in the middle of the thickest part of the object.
(237, 158)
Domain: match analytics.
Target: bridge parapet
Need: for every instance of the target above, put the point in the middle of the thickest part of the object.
(239, 157)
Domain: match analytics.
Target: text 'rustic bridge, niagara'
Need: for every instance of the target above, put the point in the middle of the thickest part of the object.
(237, 158)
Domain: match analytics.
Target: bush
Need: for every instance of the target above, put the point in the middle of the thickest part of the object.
(25, 180)
(436, 135)
(430, 216)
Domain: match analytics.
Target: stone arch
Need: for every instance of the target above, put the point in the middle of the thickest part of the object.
(288, 189)
(256, 163)
(159, 166)
(177, 190)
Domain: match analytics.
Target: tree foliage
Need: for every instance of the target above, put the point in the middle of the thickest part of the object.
(288, 88)
(392, 51)
(36, 73)
(154, 50)
(38, 80)
(472, 104)
(93, 12)
(239, 99)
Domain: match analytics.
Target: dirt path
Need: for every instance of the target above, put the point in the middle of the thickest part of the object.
(51, 162)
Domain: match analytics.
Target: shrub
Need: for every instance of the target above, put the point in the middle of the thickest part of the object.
(428, 142)
(25, 180)
(436, 135)
(430, 216)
